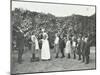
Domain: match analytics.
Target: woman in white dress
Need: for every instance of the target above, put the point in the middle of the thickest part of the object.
(45, 51)
(68, 47)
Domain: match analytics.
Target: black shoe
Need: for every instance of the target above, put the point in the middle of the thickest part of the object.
(20, 62)
(83, 61)
(37, 58)
(79, 59)
(56, 57)
(68, 57)
(33, 60)
(74, 58)
(86, 63)
(49, 59)
(62, 56)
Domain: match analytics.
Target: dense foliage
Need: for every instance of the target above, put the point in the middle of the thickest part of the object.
(30, 21)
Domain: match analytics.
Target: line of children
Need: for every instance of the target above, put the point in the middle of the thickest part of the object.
(73, 46)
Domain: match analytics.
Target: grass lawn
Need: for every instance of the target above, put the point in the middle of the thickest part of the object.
(55, 64)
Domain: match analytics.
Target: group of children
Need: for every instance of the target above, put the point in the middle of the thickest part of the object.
(66, 45)
(73, 46)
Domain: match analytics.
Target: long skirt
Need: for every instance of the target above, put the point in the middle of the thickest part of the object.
(45, 51)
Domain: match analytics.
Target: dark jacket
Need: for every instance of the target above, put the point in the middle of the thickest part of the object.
(20, 40)
(61, 43)
(87, 48)
(83, 47)
(79, 47)
(39, 38)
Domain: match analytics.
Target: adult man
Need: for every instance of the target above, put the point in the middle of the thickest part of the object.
(87, 49)
(20, 45)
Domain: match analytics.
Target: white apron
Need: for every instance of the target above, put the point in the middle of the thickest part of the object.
(45, 51)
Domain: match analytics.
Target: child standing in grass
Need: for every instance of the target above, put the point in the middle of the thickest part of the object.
(68, 47)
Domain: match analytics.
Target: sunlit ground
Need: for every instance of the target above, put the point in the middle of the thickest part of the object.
(55, 64)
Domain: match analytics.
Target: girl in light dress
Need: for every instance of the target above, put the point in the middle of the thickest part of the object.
(68, 47)
(74, 46)
(56, 44)
(34, 47)
(45, 51)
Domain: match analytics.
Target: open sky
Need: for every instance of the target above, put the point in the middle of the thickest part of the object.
(59, 10)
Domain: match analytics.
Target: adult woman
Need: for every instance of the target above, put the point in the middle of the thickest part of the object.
(45, 51)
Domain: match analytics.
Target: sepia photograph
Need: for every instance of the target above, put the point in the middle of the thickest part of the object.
(52, 37)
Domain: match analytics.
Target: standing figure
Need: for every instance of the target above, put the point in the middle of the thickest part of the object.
(74, 43)
(79, 47)
(45, 51)
(87, 50)
(82, 47)
(34, 47)
(68, 47)
(56, 43)
(36, 43)
(62, 45)
(20, 45)
(39, 38)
